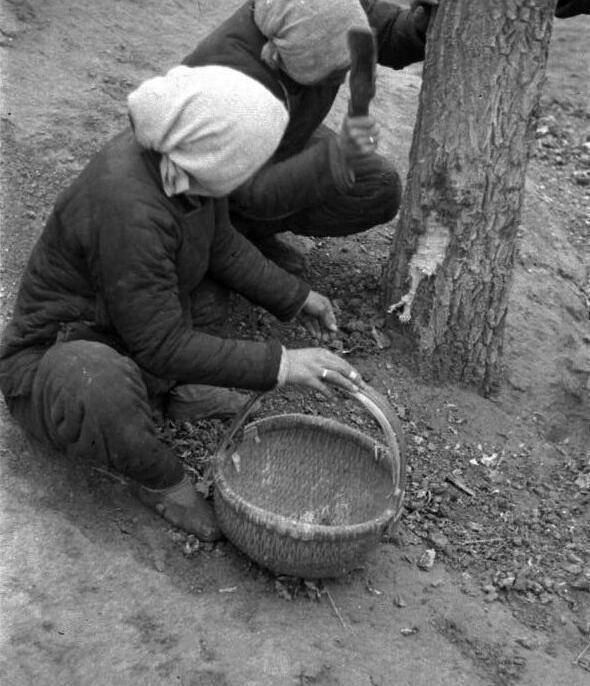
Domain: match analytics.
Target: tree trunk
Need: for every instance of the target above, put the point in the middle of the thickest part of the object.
(452, 258)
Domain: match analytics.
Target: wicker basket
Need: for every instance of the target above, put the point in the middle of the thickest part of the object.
(308, 496)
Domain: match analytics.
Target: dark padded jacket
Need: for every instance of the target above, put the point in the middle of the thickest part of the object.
(237, 43)
(120, 256)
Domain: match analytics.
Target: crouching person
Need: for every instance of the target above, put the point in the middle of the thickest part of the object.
(102, 324)
(319, 182)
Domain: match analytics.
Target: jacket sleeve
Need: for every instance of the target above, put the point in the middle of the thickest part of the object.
(237, 263)
(571, 8)
(399, 43)
(305, 179)
(137, 272)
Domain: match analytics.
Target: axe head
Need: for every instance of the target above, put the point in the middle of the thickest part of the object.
(363, 58)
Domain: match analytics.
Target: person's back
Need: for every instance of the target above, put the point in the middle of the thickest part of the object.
(61, 281)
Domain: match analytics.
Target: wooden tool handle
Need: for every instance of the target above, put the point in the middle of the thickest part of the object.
(363, 59)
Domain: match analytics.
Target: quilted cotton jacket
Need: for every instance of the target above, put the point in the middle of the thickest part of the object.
(302, 177)
(121, 257)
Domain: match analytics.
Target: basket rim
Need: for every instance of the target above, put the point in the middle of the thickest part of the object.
(284, 525)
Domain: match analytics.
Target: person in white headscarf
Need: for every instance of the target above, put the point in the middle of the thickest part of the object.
(212, 125)
(319, 182)
(102, 324)
(308, 39)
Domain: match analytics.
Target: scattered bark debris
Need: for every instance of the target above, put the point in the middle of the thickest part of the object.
(584, 663)
(409, 630)
(460, 485)
(398, 601)
(426, 561)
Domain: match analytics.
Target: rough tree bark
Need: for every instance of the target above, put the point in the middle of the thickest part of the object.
(452, 257)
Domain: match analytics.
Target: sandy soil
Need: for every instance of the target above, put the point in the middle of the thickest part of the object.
(96, 590)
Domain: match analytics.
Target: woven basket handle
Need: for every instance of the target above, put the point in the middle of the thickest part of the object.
(378, 406)
(380, 409)
(238, 420)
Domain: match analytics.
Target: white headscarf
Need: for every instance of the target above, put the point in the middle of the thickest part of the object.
(213, 125)
(308, 38)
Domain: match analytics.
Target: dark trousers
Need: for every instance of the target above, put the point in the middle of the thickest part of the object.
(93, 402)
(90, 401)
(279, 197)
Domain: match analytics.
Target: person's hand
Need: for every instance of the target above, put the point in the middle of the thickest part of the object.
(421, 13)
(317, 315)
(319, 369)
(358, 138)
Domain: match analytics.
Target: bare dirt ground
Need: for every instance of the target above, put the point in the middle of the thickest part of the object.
(97, 590)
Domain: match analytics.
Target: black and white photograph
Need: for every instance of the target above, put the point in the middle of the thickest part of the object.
(295, 343)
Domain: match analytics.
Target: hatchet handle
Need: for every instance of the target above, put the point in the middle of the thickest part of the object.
(363, 59)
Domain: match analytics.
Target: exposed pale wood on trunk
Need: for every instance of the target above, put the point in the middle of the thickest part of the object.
(452, 257)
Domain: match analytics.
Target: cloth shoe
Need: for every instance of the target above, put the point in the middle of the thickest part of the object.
(183, 507)
(191, 402)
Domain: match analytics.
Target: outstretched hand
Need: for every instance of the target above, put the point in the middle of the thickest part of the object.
(317, 315)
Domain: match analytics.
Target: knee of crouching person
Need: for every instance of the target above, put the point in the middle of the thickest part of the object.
(388, 194)
(90, 368)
